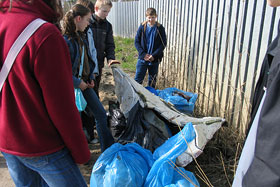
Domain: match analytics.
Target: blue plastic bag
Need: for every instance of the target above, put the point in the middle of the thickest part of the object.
(176, 97)
(181, 181)
(122, 165)
(81, 103)
(152, 90)
(162, 173)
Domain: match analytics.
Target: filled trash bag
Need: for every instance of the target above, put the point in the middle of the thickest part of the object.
(134, 131)
(182, 101)
(142, 126)
(183, 178)
(116, 120)
(121, 166)
(163, 171)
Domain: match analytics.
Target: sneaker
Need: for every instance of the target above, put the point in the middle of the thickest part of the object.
(94, 141)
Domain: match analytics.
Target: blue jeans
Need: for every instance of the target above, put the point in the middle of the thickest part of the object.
(56, 170)
(104, 134)
(141, 69)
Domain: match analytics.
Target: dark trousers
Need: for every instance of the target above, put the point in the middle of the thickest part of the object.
(104, 134)
(88, 123)
(141, 69)
(97, 82)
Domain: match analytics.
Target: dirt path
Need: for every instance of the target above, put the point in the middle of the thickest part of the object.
(5, 179)
(107, 93)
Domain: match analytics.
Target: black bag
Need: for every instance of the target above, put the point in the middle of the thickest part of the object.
(116, 120)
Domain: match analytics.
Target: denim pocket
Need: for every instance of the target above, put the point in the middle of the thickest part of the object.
(42, 161)
(38, 161)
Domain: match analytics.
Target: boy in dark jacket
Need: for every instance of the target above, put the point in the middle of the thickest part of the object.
(150, 42)
(103, 37)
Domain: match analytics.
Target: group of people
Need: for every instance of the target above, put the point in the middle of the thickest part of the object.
(41, 133)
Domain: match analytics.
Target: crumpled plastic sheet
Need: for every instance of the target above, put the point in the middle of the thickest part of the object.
(129, 92)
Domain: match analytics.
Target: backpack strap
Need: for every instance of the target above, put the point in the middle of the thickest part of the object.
(145, 25)
(16, 48)
(82, 62)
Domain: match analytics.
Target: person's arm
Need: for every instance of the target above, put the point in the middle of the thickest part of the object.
(110, 44)
(71, 46)
(137, 42)
(163, 42)
(55, 80)
(93, 52)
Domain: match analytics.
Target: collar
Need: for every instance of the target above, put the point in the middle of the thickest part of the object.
(95, 18)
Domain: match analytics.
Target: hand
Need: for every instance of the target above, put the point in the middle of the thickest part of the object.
(146, 58)
(111, 62)
(83, 85)
(151, 58)
(91, 84)
(273, 3)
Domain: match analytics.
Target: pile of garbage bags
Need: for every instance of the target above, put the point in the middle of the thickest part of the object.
(132, 165)
(151, 150)
(148, 120)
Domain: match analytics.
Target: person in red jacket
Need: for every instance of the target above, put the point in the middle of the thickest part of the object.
(41, 134)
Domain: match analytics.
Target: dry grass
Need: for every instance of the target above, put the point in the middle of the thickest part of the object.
(219, 158)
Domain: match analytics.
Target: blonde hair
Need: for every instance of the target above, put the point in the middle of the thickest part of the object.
(101, 3)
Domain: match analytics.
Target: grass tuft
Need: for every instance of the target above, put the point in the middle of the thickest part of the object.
(126, 53)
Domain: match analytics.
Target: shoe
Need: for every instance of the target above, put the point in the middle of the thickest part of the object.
(94, 141)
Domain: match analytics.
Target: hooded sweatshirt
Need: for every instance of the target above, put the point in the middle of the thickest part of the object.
(38, 115)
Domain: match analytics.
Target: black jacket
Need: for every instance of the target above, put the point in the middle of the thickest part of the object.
(103, 39)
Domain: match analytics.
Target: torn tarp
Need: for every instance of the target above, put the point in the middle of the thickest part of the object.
(129, 93)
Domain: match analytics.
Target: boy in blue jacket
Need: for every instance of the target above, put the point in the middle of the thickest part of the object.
(150, 41)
